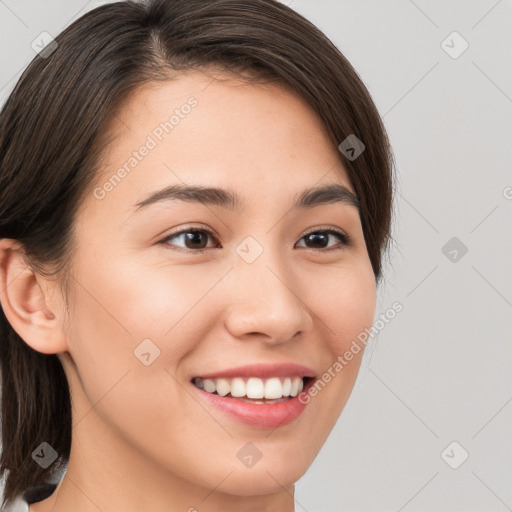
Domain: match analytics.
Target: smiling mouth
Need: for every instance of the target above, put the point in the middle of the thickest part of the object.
(254, 389)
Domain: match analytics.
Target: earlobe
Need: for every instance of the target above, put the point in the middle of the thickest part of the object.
(25, 304)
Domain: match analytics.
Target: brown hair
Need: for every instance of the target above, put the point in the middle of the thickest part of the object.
(52, 130)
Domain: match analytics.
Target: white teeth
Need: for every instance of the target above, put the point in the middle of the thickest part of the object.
(252, 387)
(273, 388)
(255, 388)
(238, 387)
(287, 386)
(297, 386)
(209, 385)
(223, 387)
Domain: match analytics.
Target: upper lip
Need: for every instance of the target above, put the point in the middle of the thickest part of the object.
(262, 371)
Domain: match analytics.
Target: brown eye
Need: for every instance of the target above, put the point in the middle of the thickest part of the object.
(195, 240)
(321, 238)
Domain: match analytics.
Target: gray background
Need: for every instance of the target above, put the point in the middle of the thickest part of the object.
(440, 370)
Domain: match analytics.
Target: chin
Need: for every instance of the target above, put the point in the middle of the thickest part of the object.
(255, 482)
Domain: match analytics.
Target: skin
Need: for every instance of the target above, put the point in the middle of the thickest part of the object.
(140, 441)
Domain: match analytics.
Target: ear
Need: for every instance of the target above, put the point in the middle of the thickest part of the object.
(29, 310)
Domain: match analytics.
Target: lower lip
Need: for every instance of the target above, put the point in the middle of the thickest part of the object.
(258, 415)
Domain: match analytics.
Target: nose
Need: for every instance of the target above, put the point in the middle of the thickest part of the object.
(265, 303)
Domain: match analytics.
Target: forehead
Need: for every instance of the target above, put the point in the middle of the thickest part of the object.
(218, 130)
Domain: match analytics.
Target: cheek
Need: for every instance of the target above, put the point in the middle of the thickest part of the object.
(145, 404)
(118, 310)
(346, 309)
(135, 300)
(158, 298)
(345, 302)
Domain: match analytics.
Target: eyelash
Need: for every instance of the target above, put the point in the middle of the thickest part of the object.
(346, 241)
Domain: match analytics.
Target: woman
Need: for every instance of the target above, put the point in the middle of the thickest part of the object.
(140, 372)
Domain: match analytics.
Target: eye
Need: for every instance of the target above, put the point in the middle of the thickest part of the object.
(195, 239)
(319, 236)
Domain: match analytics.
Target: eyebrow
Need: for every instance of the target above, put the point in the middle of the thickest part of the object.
(326, 194)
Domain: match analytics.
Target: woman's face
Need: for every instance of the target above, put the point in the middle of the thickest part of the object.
(152, 311)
